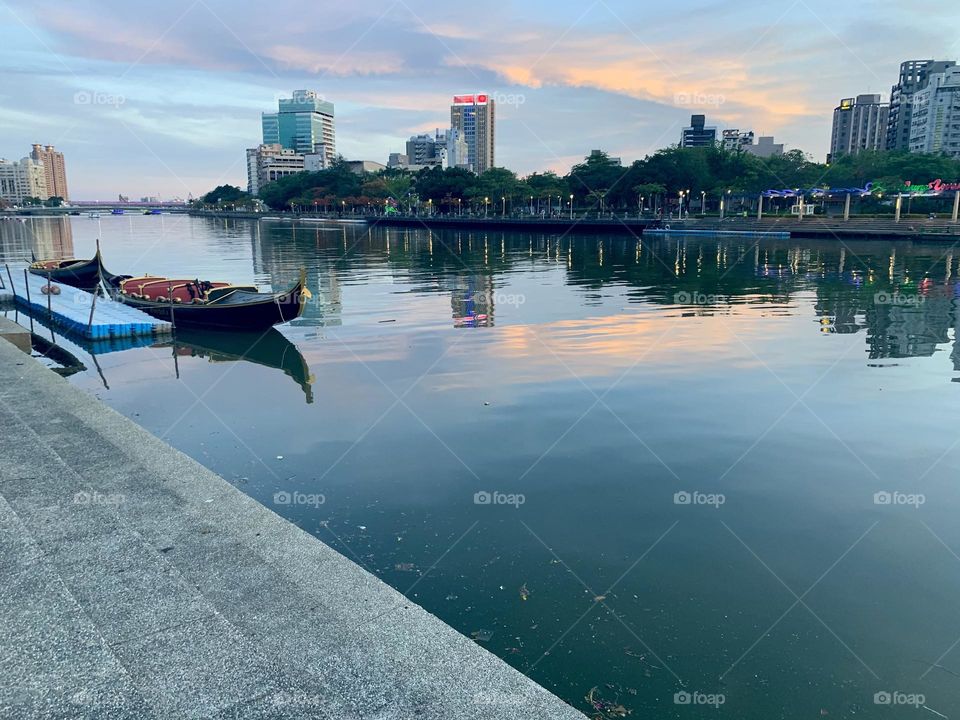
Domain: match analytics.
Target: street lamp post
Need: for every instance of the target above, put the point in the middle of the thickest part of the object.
(571, 206)
(703, 202)
(486, 202)
(503, 206)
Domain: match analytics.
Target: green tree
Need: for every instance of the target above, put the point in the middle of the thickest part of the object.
(225, 194)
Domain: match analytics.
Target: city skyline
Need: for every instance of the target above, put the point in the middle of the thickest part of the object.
(149, 101)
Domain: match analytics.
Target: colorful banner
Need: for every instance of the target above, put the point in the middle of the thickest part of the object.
(931, 189)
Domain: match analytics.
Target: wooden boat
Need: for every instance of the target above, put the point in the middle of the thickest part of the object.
(73, 272)
(216, 305)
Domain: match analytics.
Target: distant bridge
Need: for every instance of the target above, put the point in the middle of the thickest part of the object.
(104, 206)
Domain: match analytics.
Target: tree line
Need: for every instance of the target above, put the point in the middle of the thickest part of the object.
(600, 181)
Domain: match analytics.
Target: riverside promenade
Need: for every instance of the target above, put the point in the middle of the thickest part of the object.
(134, 583)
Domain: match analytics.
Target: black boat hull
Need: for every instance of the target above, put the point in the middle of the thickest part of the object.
(251, 316)
(81, 274)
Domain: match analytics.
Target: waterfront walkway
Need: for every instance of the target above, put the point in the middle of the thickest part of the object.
(134, 583)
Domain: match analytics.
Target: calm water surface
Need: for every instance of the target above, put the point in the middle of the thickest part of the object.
(697, 430)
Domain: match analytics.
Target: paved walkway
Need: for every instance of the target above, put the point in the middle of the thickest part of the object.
(134, 583)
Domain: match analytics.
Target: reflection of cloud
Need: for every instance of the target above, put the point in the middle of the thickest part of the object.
(605, 347)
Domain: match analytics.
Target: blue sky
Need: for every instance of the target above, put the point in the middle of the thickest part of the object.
(162, 98)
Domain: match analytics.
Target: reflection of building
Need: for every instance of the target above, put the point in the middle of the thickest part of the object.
(42, 237)
(279, 259)
(23, 179)
(698, 134)
(858, 124)
(471, 300)
(474, 118)
(54, 170)
(266, 163)
(303, 123)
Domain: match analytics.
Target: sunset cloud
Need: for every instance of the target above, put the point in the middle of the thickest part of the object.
(612, 74)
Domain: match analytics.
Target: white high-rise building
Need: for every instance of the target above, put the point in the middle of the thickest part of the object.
(266, 163)
(458, 154)
(23, 179)
(935, 118)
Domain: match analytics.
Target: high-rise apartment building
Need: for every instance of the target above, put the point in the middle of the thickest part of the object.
(698, 134)
(734, 140)
(913, 78)
(442, 149)
(270, 162)
(303, 123)
(474, 117)
(858, 124)
(23, 179)
(935, 114)
(422, 150)
(53, 169)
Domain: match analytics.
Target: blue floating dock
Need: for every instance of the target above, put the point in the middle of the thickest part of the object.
(70, 310)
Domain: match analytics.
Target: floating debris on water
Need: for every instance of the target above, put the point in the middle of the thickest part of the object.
(405, 567)
(524, 592)
(606, 709)
(482, 635)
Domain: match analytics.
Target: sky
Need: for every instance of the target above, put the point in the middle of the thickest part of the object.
(163, 98)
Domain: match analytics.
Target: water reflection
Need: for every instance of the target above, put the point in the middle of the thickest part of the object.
(40, 237)
(900, 295)
(270, 349)
(796, 378)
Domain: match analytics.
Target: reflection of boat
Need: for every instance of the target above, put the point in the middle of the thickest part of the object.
(217, 305)
(93, 214)
(77, 273)
(270, 349)
(117, 211)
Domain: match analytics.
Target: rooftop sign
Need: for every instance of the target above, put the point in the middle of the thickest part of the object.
(470, 99)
